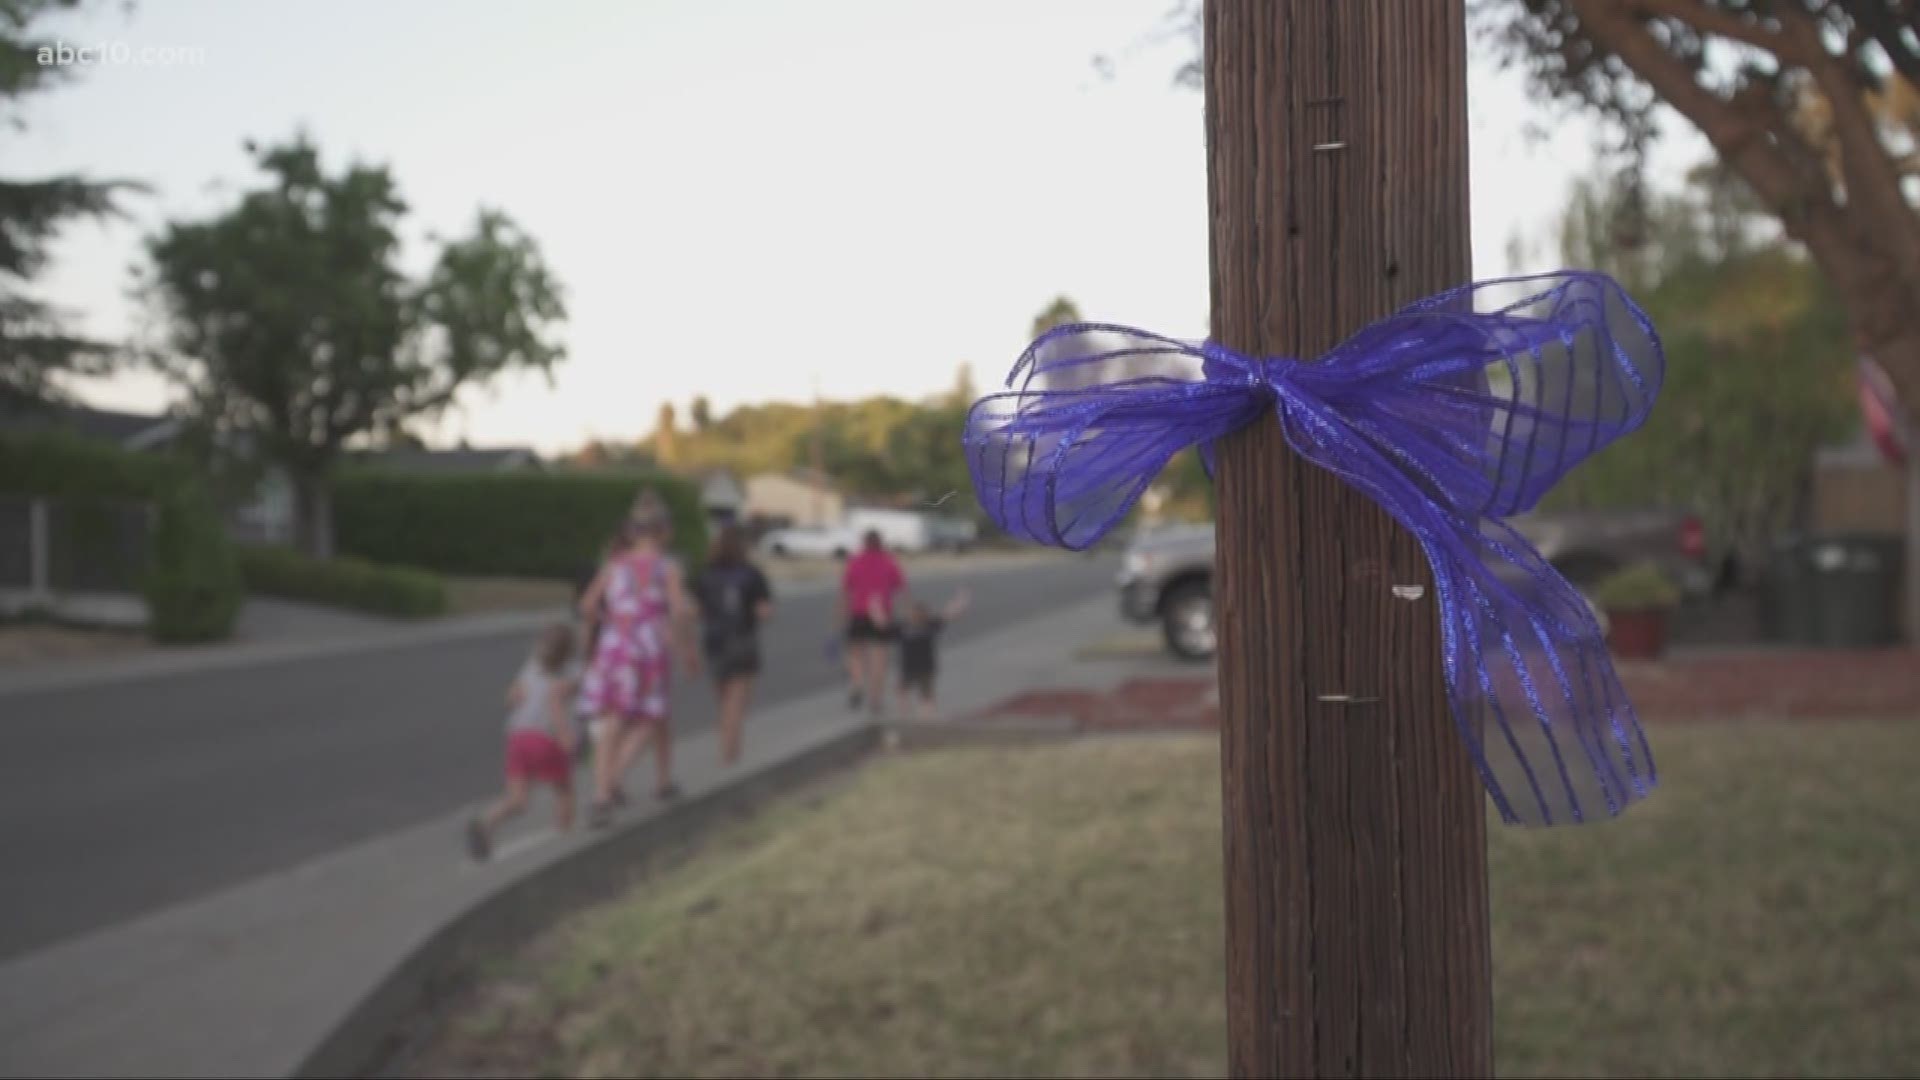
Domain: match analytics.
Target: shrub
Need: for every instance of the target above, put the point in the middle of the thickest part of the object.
(532, 524)
(57, 465)
(1640, 587)
(190, 579)
(192, 585)
(348, 583)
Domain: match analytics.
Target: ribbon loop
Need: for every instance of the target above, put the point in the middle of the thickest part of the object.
(1453, 414)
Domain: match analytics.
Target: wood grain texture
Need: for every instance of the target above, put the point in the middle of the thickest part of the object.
(1355, 834)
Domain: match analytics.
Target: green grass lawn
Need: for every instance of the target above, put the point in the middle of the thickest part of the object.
(1056, 912)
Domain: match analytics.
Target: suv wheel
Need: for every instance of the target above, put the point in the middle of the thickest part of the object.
(1186, 618)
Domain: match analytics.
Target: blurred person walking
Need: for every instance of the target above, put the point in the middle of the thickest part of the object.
(919, 638)
(540, 737)
(645, 617)
(734, 600)
(867, 587)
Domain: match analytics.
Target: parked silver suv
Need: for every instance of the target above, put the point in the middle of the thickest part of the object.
(1166, 575)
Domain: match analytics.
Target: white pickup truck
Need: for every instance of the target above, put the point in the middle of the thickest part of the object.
(835, 542)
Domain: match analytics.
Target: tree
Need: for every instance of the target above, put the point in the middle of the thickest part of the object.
(36, 344)
(603, 454)
(702, 413)
(1062, 312)
(1611, 223)
(291, 329)
(965, 390)
(665, 436)
(1811, 103)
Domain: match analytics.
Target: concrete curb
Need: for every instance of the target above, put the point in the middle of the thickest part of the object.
(402, 1008)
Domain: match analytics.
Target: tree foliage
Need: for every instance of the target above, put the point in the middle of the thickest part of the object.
(292, 329)
(965, 390)
(1810, 103)
(666, 436)
(1758, 362)
(882, 448)
(36, 342)
(1058, 312)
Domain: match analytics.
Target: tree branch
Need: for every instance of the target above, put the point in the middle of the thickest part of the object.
(1872, 181)
(1881, 24)
(1715, 21)
(1749, 135)
(1740, 139)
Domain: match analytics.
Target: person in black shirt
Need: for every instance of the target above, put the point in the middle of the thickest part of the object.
(734, 600)
(919, 655)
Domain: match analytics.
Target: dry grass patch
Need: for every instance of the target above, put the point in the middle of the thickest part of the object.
(1056, 912)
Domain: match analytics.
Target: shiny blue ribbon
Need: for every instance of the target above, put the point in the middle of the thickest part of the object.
(1453, 414)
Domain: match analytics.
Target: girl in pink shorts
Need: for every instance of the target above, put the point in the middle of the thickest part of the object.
(539, 739)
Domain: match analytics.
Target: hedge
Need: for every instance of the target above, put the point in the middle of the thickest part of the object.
(192, 579)
(522, 524)
(349, 583)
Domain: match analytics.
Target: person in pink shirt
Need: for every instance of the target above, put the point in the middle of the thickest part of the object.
(867, 589)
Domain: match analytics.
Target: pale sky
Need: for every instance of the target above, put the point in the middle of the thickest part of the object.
(741, 197)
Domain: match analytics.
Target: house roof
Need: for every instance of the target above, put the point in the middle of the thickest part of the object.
(810, 477)
(133, 430)
(464, 459)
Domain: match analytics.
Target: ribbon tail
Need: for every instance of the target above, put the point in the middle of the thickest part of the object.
(1533, 689)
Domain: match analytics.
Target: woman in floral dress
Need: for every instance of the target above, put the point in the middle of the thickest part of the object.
(641, 599)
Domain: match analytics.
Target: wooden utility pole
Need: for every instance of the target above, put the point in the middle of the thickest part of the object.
(1356, 888)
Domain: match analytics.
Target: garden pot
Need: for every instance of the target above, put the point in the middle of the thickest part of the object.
(1639, 634)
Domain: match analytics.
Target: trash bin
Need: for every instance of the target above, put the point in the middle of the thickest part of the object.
(1852, 590)
(1786, 600)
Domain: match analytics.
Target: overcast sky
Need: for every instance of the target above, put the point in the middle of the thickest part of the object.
(742, 197)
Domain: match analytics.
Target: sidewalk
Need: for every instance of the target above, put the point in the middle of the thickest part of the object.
(271, 631)
(250, 981)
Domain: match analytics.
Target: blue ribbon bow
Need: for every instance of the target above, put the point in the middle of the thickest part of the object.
(1453, 414)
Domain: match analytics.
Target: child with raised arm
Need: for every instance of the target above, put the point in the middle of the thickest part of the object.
(919, 636)
(540, 739)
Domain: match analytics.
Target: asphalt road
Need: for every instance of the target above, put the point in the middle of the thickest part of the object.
(122, 798)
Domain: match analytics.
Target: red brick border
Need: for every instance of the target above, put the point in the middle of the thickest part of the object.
(1783, 684)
